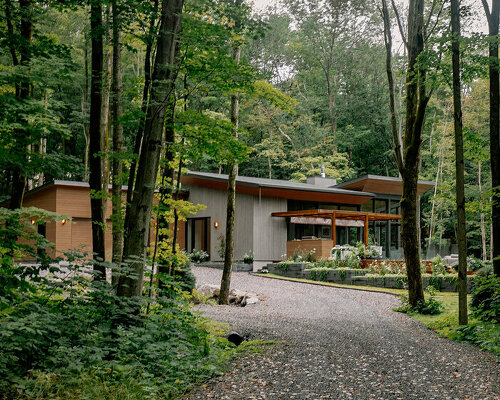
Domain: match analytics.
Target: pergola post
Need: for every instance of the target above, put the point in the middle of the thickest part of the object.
(366, 230)
(333, 229)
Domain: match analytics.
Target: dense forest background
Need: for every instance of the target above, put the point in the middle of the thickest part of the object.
(313, 91)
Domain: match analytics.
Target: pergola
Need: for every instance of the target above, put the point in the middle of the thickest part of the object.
(335, 215)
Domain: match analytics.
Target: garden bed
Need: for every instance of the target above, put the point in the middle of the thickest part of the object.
(362, 277)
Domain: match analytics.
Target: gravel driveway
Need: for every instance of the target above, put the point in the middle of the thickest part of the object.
(341, 344)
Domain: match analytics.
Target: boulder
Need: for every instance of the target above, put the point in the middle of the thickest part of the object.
(236, 296)
(208, 290)
(250, 298)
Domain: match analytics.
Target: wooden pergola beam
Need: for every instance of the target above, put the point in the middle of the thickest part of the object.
(338, 214)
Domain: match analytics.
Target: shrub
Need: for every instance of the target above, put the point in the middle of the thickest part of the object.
(484, 335)
(198, 256)
(248, 257)
(221, 247)
(475, 264)
(67, 336)
(485, 302)
(431, 306)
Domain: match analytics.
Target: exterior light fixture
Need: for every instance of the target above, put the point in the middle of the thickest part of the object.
(216, 224)
(63, 221)
(33, 221)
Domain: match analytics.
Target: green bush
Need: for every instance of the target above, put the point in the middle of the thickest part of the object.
(485, 303)
(431, 306)
(67, 336)
(484, 335)
(198, 256)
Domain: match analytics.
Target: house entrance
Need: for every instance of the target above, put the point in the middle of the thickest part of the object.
(198, 234)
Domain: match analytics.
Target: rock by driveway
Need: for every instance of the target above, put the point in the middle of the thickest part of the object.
(341, 344)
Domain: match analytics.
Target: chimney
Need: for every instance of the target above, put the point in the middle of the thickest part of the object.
(321, 181)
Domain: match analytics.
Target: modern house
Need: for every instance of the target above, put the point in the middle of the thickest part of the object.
(276, 217)
(273, 217)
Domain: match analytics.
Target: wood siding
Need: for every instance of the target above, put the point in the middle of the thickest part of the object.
(321, 247)
(269, 234)
(215, 200)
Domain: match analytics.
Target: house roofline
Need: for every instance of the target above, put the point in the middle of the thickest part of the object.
(278, 184)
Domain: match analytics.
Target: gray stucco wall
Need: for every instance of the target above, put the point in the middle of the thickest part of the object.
(215, 200)
(269, 235)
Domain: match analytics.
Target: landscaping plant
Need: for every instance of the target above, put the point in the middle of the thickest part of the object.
(65, 335)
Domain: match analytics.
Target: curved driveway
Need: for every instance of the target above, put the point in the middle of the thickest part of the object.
(341, 344)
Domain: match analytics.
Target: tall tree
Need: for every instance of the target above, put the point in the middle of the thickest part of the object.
(493, 17)
(231, 194)
(95, 133)
(408, 160)
(162, 86)
(117, 111)
(459, 163)
(22, 92)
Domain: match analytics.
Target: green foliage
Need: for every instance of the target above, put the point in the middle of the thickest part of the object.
(484, 335)
(221, 247)
(430, 306)
(248, 257)
(485, 303)
(64, 335)
(438, 266)
(342, 274)
(320, 274)
(198, 256)
(435, 282)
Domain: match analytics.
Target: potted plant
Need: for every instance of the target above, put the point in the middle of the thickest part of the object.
(248, 257)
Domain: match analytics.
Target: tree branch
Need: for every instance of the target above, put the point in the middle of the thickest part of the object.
(400, 24)
(390, 78)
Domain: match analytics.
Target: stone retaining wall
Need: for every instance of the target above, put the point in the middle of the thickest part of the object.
(237, 267)
(357, 277)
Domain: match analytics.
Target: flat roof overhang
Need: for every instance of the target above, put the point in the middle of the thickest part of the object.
(327, 195)
(382, 185)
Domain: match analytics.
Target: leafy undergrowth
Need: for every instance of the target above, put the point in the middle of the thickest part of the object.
(75, 339)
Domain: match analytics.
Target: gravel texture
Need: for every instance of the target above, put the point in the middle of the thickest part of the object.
(340, 344)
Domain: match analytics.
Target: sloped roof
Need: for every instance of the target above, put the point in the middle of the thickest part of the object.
(382, 184)
(276, 184)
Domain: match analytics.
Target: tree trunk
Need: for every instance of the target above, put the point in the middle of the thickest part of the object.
(144, 108)
(95, 165)
(390, 80)
(231, 200)
(105, 113)
(162, 86)
(493, 19)
(481, 214)
(117, 111)
(23, 92)
(416, 103)
(85, 99)
(459, 164)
